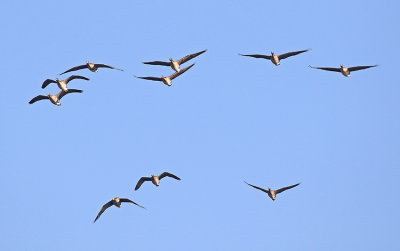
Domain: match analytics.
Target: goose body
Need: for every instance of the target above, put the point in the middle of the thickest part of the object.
(175, 65)
(168, 80)
(272, 193)
(91, 66)
(275, 59)
(155, 179)
(62, 84)
(114, 202)
(344, 70)
(55, 99)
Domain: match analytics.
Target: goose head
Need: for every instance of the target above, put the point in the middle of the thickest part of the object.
(272, 53)
(170, 59)
(341, 66)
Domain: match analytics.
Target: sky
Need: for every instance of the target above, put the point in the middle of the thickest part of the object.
(227, 120)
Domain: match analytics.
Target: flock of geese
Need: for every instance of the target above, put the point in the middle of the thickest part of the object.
(176, 66)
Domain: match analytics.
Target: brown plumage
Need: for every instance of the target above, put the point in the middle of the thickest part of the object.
(155, 179)
(114, 202)
(275, 59)
(62, 84)
(91, 66)
(272, 193)
(344, 70)
(167, 80)
(175, 65)
(55, 99)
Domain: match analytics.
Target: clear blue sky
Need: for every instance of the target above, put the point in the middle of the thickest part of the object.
(226, 120)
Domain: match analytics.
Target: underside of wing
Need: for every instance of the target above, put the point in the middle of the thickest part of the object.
(256, 56)
(188, 57)
(158, 63)
(75, 68)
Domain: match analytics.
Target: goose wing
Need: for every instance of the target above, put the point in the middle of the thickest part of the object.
(150, 78)
(80, 67)
(105, 206)
(158, 63)
(176, 74)
(37, 98)
(107, 66)
(130, 201)
(326, 68)
(357, 68)
(75, 77)
(47, 82)
(256, 187)
(289, 54)
(190, 56)
(285, 188)
(165, 174)
(256, 56)
(63, 93)
(140, 182)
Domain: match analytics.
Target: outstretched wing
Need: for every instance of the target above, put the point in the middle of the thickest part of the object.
(140, 182)
(47, 82)
(190, 56)
(63, 93)
(326, 68)
(176, 74)
(76, 77)
(165, 174)
(158, 63)
(256, 187)
(76, 68)
(107, 66)
(357, 68)
(130, 201)
(285, 188)
(150, 78)
(289, 54)
(256, 56)
(37, 98)
(105, 206)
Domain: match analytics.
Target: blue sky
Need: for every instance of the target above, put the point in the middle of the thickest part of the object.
(226, 120)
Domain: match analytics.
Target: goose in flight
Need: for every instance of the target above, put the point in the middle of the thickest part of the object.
(114, 202)
(272, 193)
(55, 99)
(91, 66)
(344, 70)
(175, 65)
(275, 59)
(155, 179)
(62, 84)
(168, 80)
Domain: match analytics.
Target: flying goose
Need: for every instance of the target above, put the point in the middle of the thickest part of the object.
(167, 80)
(176, 64)
(155, 179)
(62, 84)
(55, 99)
(344, 70)
(272, 193)
(275, 59)
(116, 202)
(91, 66)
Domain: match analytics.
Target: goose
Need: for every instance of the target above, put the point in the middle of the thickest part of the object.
(114, 202)
(344, 70)
(62, 84)
(272, 193)
(55, 99)
(155, 179)
(275, 59)
(167, 80)
(175, 65)
(91, 66)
